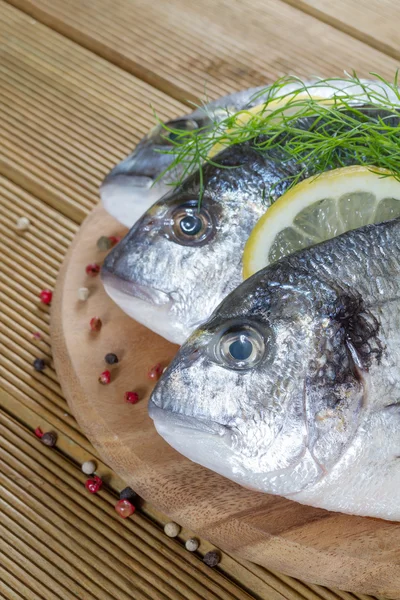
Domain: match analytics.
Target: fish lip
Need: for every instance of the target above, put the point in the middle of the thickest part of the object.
(146, 293)
(133, 180)
(186, 422)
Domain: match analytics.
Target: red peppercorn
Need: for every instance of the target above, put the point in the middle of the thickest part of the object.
(93, 484)
(93, 269)
(38, 432)
(46, 296)
(37, 335)
(155, 372)
(105, 378)
(131, 397)
(124, 508)
(95, 324)
(114, 239)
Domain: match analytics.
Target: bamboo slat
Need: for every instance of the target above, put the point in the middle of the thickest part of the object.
(224, 45)
(67, 115)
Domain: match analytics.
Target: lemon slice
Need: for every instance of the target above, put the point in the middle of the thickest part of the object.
(262, 110)
(320, 208)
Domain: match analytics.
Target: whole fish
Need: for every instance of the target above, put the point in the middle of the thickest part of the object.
(131, 188)
(177, 263)
(292, 387)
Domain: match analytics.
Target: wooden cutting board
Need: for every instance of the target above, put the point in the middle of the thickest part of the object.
(352, 553)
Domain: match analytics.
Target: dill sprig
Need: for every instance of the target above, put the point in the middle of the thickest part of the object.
(339, 129)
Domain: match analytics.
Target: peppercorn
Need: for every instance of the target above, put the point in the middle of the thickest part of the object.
(127, 494)
(191, 544)
(111, 359)
(155, 372)
(105, 378)
(46, 296)
(37, 335)
(114, 239)
(172, 529)
(39, 364)
(93, 269)
(49, 439)
(95, 324)
(93, 484)
(104, 243)
(83, 293)
(88, 467)
(212, 558)
(125, 508)
(131, 397)
(38, 432)
(23, 223)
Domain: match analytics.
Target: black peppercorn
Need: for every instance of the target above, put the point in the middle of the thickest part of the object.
(127, 494)
(212, 558)
(49, 439)
(111, 359)
(104, 243)
(39, 364)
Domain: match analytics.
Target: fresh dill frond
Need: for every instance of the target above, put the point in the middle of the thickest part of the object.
(341, 129)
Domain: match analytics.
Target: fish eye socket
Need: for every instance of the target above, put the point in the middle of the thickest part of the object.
(189, 225)
(240, 347)
(181, 125)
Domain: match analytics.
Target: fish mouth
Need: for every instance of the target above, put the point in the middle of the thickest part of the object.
(146, 293)
(166, 418)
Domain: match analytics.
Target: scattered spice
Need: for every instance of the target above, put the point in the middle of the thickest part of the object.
(155, 372)
(88, 467)
(111, 359)
(46, 296)
(95, 324)
(212, 558)
(38, 432)
(114, 239)
(131, 397)
(39, 364)
(93, 484)
(125, 508)
(37, 335)
(127, 494)
(49, 439)
(93, 269)
(172, 529)
(23, 223)
(104, 243)
(192, 544)
(105, 378)
(83, 293)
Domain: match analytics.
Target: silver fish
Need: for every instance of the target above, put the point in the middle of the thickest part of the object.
(131, 188)
(293, 385)
(177, 263)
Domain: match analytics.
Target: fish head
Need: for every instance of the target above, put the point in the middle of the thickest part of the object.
(136, 183)
(267, 392)
(180, 259)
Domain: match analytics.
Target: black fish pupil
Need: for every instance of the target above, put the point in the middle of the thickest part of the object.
(241, 348)
(190, 225)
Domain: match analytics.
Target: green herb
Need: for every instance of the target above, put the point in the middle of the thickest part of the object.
(374, 143)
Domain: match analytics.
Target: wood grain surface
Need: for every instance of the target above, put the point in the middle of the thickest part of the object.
(326, 548)
(223, 45)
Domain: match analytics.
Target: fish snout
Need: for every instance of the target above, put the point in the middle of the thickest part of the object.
(167, 419)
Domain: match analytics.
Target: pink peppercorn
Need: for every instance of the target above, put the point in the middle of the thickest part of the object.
(38, 432)
(93, 484)
(114, 239)
(95, 324)
(46, 296)
(131, 397)
(105, 378)
(155, 372)
(124, 508)
(93, 269)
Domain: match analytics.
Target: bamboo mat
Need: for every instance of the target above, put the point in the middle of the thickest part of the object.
(78, 83)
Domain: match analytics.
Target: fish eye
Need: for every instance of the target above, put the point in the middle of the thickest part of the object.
(190, 225)
(240, 347)
(181, 125)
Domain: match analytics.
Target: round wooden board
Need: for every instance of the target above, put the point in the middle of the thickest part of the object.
(353, 553)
